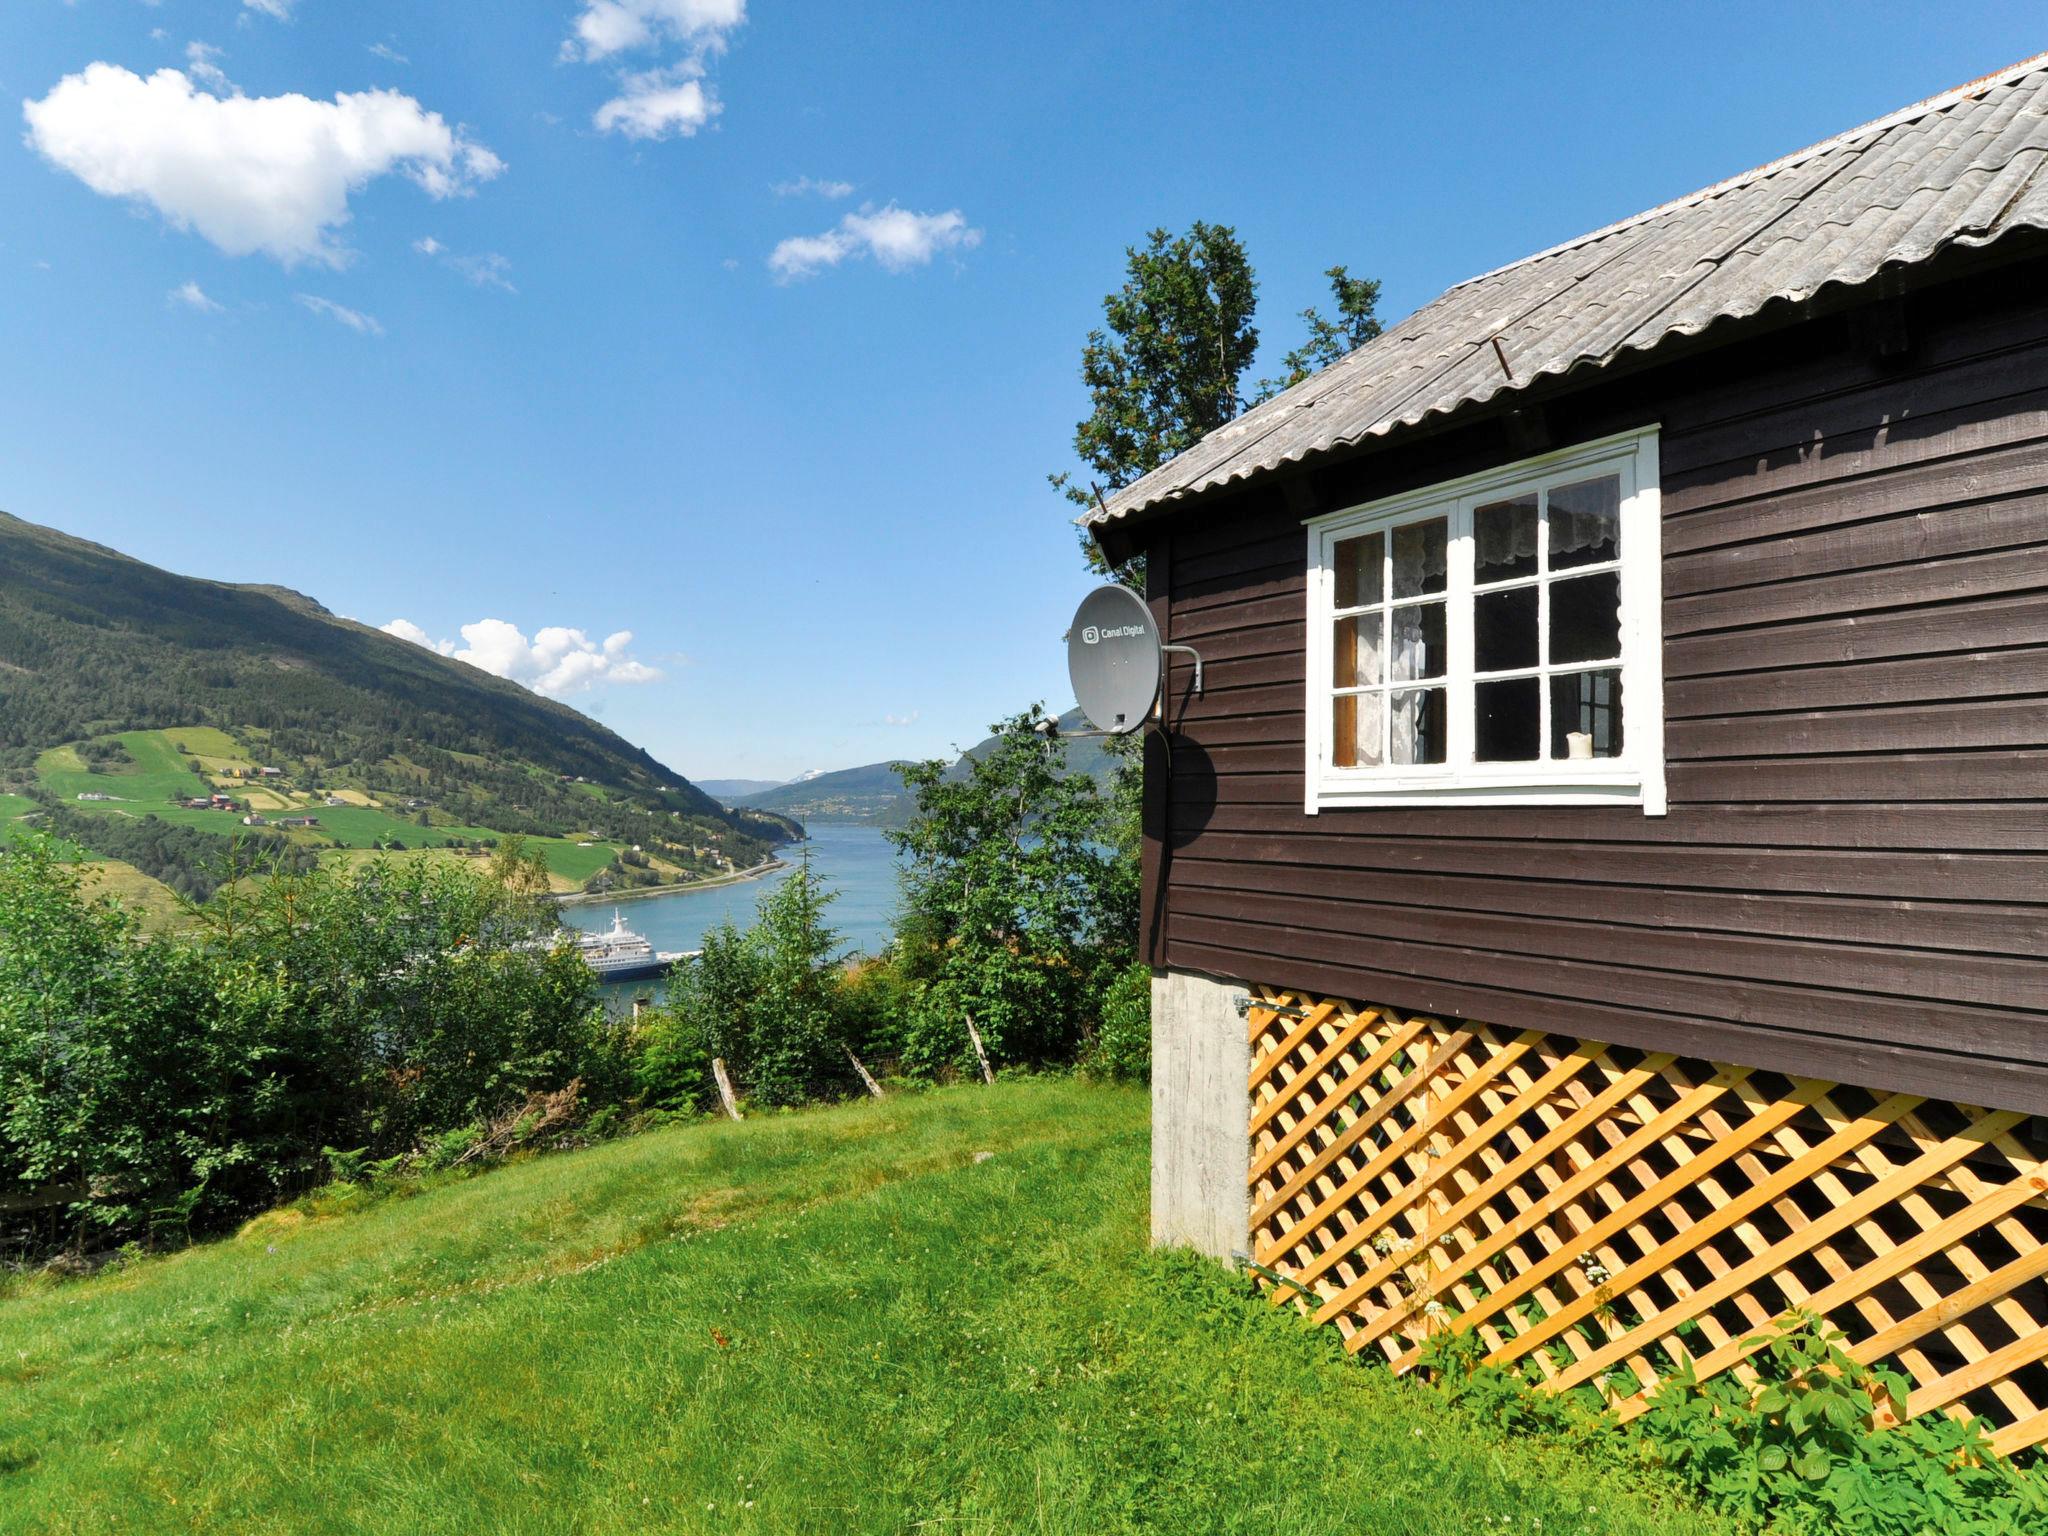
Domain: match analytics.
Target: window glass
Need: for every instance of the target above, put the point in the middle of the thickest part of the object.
(1356, 661)
(1585, 714)
(1421, 558)
(1504, 539)
(1507, 720)
(1585, 522)
(1476, 640)
(1504, 629)
(1416, 647)
(1585, 618)
(1360, 570)
(1418, 726)
(1355, 730)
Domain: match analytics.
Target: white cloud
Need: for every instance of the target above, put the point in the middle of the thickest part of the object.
(832, 190)
(909, 719)
(607, 27)
(556, 661)
(280, 10)
(192, 296)
(405, 629)
(660, 103)
(894, 237)
(272, 174)
(672, 100)
(389, 54)
(486, 270)
(200, 59)
(354, 319)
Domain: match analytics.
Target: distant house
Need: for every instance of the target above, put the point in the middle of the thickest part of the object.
(94, 794)
(336, 800)
(255, 819)
(298, 821)
(271, 773)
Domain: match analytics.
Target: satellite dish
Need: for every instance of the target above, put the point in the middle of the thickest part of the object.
(1115, 660)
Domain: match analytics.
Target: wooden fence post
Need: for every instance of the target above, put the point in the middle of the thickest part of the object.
(988, 1074)
(874, 1087)
(732, 1105)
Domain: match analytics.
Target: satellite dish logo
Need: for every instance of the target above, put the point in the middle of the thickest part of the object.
(1090, 635)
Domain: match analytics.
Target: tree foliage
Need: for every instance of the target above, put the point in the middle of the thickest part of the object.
(1163, 369)
(1330, 341)
(1017, 908)
(196, 1077)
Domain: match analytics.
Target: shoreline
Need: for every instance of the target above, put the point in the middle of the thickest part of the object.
(588, 898)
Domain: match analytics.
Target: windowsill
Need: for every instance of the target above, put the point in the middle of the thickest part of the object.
(1616, 788)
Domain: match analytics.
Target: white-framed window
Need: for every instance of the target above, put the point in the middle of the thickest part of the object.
(1496, 640)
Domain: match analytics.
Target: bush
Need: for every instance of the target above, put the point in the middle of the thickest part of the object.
(166, 1088)
(1798, 1448)
(1121, 1050)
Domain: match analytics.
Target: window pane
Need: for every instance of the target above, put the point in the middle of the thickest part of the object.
(1585, 522)
(1357, 658)
(1419, 561)
(1508, 720)
(1585, 618)
(1504, 536)
(1585, 714)
(1355, 730)
(1361, 569)
(1504, 629)
(1416, 648)
(1418, 721)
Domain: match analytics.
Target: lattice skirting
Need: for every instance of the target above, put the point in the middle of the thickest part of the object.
(1598, 1214)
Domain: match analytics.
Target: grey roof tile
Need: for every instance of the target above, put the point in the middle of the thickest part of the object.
(1963, 168)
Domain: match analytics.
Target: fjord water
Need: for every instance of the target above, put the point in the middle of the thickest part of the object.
(857, 863)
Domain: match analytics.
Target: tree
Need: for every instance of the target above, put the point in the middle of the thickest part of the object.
(1331, 341)
(1014, 905)
(764, 999)
(517, 868)
(1164, 372)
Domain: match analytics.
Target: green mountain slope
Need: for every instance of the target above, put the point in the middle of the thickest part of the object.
(381, 740)
(872, 795)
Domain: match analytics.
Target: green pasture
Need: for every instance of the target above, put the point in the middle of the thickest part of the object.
(933, 1314)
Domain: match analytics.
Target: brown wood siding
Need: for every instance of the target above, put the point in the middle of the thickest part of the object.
(1853, 877)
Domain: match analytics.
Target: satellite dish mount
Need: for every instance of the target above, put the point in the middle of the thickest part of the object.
(1117, 661)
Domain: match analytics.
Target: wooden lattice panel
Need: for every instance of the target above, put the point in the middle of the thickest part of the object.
(1597, 1214)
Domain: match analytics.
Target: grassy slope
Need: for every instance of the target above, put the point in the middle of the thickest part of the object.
(839, 1316)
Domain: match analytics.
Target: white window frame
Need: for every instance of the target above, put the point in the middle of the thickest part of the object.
(1635, 778)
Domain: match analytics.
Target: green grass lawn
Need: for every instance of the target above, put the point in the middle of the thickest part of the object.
(836, 1321)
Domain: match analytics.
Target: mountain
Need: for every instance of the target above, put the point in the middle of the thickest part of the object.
(873, 795)
(173, 687)
(728, 790)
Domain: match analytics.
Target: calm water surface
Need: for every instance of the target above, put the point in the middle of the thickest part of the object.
(855, 862)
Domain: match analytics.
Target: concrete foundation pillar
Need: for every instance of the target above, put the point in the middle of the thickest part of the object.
(1201, 1145)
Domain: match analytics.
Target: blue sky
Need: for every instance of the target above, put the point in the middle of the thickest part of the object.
(751, 328)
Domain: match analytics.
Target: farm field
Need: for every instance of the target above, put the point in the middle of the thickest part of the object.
(157, 774)
(14, 806)
(834, 1321)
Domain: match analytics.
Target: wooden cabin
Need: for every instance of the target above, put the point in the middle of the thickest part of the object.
(1612, 841)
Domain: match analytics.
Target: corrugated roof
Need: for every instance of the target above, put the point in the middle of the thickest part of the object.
(1959, 169)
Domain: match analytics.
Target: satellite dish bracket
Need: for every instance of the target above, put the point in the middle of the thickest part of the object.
(1189, 650)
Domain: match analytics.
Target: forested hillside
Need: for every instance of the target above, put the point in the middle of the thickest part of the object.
(382, 743)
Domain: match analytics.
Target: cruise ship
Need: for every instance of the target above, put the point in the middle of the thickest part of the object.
(619, 954)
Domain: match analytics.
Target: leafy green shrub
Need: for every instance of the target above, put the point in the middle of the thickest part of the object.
(765, 1000)
(1018, 903)
(1799, 1449)
(168, 1087)
(1121, 1050)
